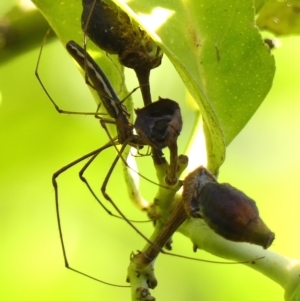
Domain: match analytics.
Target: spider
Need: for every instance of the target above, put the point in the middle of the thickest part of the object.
(157, 138)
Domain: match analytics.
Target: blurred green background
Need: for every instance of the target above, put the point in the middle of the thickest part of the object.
(263, 161)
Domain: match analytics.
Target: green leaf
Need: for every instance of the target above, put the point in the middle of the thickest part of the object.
(280, 17)
(218, 51)
(259, 4)
(215, 47)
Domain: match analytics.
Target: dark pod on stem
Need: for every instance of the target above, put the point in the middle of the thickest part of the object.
(116, 33)
(103, 25)
(159, 124)
(113, 31)
(225, 209)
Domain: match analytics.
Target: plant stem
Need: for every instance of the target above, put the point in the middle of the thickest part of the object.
(279, 268)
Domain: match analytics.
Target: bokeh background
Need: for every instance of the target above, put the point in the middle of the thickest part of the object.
(35, 141)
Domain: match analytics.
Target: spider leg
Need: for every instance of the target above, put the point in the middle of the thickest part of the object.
(57, 108)
(85, 181)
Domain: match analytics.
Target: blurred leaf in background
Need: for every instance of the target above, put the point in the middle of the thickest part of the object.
(280, 17)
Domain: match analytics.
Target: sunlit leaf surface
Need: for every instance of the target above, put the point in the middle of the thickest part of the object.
(218, 52)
